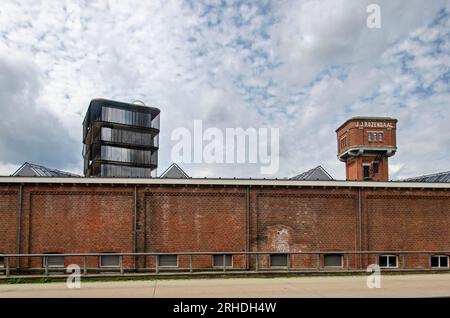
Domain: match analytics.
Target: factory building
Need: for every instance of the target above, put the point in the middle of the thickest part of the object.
(310, 221)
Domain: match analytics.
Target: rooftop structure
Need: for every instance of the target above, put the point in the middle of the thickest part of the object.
(174, 172)
(33, 170)
(436, 177)
(365, 144)
(120, 139)
(317, 173)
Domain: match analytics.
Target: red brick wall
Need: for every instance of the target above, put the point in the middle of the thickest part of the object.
(407, 220)
(74, 219)
(69, 218)
(305, 220)
(195, 220)
(9, 206)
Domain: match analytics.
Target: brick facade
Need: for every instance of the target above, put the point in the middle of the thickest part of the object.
(367, 142)
(92, 218)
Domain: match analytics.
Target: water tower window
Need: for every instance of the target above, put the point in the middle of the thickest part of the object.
(366, 171)
(375, 167)
(344, 142)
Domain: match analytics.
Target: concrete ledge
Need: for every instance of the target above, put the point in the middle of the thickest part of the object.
(22, 279)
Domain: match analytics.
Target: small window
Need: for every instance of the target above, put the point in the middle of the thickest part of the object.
(380, 136)
(218, 260)
(168, 260)
(388, 261)
(369, 137)
(375, 167)
(54, 261)
(344, 142)
(109, 261)
(375, 136)
(439, 261)
(332, 260)
(278, 260)
(366, 171)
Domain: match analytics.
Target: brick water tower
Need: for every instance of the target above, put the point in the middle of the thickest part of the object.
(365, 144)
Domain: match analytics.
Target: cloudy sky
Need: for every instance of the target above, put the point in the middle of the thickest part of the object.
(301, 66)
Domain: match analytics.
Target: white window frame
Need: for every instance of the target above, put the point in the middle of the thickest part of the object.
(387, 263)
(439, 261)
(168, 266)
(221, 266)
(374, 136)
(108, 266)
(339, 266)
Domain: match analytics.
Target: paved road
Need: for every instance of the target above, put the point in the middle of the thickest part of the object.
(436, 285)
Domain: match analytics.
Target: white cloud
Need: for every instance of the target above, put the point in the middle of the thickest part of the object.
(303, 66)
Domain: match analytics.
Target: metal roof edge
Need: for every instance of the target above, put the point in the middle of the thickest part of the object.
(222, 182)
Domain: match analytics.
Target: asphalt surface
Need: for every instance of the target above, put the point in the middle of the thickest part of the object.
(425, 285)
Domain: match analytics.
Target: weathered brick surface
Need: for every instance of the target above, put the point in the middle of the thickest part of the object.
(195, 220)
(305, 220)
(66, 218)
(411, 220)
(9, 205)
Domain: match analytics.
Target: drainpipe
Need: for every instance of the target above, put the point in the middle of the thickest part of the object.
(135, 225)
(19, 224)
(247, 212)
(360, 225)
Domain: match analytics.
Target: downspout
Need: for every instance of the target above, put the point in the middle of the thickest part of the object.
(135, 226)
(247, 212)
(19, 224)
(360, 226)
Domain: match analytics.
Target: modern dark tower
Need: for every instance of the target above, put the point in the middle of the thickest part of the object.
(120, 139)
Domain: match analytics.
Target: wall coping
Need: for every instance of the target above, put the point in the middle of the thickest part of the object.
(222, 182)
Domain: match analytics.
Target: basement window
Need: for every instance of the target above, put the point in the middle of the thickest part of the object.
(54, 261)
(168, 260)
(109, 261)
(388, 261)
(439, 261)
(332, 260)
(218, 260)
(278, 260)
